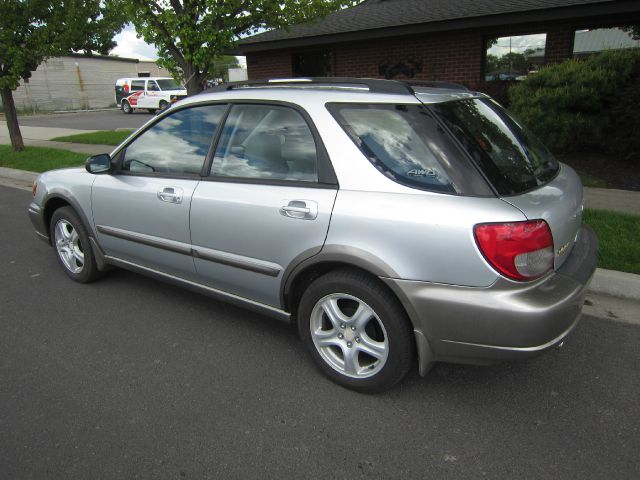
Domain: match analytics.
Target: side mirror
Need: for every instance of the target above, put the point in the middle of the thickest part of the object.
(98, 163)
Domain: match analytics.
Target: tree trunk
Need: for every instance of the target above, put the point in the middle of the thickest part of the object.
(12, 119)
(193, 79)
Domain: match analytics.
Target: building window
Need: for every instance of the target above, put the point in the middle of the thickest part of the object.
(515, 57)
(313, 64)
(590, 42)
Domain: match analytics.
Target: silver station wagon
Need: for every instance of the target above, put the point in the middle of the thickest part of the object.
(396, 224)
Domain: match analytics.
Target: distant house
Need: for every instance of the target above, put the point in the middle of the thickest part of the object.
(450, 40)
(79, 82)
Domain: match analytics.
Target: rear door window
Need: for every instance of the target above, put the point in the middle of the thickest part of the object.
(266, 142)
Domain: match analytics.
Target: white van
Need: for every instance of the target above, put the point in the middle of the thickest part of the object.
(152, 93)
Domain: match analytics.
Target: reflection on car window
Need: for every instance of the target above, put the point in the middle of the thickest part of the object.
(400, 140)
(266, 142)
(176, 144)
(511, 157)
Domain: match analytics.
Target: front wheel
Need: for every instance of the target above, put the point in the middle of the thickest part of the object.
(71, 241)
(126, 107)
(356, 330)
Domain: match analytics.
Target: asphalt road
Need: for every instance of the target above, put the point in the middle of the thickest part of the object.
(132, 378)
(101, 120)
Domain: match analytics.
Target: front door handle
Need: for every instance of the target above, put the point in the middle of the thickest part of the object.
(170, 195)
(300, 209)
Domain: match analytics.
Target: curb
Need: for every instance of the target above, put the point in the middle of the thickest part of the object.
(616, 284)
(607, 282)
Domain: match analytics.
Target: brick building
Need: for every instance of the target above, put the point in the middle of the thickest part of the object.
(473, 42)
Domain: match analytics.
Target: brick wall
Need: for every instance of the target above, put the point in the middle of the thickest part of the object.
(448, 56)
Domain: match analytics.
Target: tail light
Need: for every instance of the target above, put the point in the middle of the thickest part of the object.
(518, 250)
(34, 188)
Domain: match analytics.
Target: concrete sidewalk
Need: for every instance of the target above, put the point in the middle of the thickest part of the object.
(41, 137)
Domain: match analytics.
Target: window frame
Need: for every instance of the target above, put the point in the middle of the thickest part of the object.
(322, 159)
(149, 82)
(144, 85)
(120, 153)
(326, 174)
(485, 50)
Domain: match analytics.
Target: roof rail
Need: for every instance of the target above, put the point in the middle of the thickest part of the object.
(374, 85)
(435, 84)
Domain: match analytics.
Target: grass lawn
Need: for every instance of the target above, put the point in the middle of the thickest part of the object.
(591, 181)
(104, 137)
(619, 236)
(39, 159)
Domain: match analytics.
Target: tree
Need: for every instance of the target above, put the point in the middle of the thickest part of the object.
(33, 30)
(191, 34)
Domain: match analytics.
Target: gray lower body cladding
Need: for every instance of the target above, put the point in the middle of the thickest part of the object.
(505, 321)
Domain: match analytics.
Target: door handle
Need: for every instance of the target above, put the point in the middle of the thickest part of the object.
(300, 209)
(170, 195)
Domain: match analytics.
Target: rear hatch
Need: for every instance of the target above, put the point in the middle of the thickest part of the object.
(517, 165)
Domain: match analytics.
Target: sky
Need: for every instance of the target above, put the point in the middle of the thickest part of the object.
(517, 44)
(131, 47)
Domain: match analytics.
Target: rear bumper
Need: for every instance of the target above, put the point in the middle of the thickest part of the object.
(507, 320)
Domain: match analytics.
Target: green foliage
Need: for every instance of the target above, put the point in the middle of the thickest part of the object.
(191, 34)
(32, 30)
(619, 237)
(584, 105)
(39, 159)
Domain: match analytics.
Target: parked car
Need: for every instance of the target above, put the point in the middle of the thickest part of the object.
(150, 93)
(392, 222)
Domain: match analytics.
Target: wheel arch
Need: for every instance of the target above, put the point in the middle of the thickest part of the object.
(57, 200)
(305, 269)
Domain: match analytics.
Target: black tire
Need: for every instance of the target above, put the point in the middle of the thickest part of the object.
(126, 107)
(69, 221)
(163, 105)
(395, 334)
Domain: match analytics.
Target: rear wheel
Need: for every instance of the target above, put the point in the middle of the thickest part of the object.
(126, 107)
(71, 241)
(356, 331)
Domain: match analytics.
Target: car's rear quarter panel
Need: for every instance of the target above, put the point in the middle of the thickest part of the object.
(422, 236)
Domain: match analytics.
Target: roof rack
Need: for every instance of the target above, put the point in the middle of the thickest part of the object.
(374, 85)
(435, 84)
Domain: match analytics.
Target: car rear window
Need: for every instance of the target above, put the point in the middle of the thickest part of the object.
(402, 141)
(509, 155)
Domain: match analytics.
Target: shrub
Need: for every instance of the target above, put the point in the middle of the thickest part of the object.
(583, 105)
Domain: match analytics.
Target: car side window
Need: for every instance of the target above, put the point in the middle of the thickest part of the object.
(152, 86)
(177, 144)
(137, 85)
(266, 142)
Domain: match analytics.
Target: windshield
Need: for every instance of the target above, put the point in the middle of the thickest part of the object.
(509, 155)
(169, 84)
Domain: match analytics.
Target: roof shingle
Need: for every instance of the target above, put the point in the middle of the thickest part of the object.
(379, 14)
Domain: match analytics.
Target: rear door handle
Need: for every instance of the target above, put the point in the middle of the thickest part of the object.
(300, 209)
(170, 195)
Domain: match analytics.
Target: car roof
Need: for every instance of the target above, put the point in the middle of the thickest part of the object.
(142, 78)
(339, 90)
